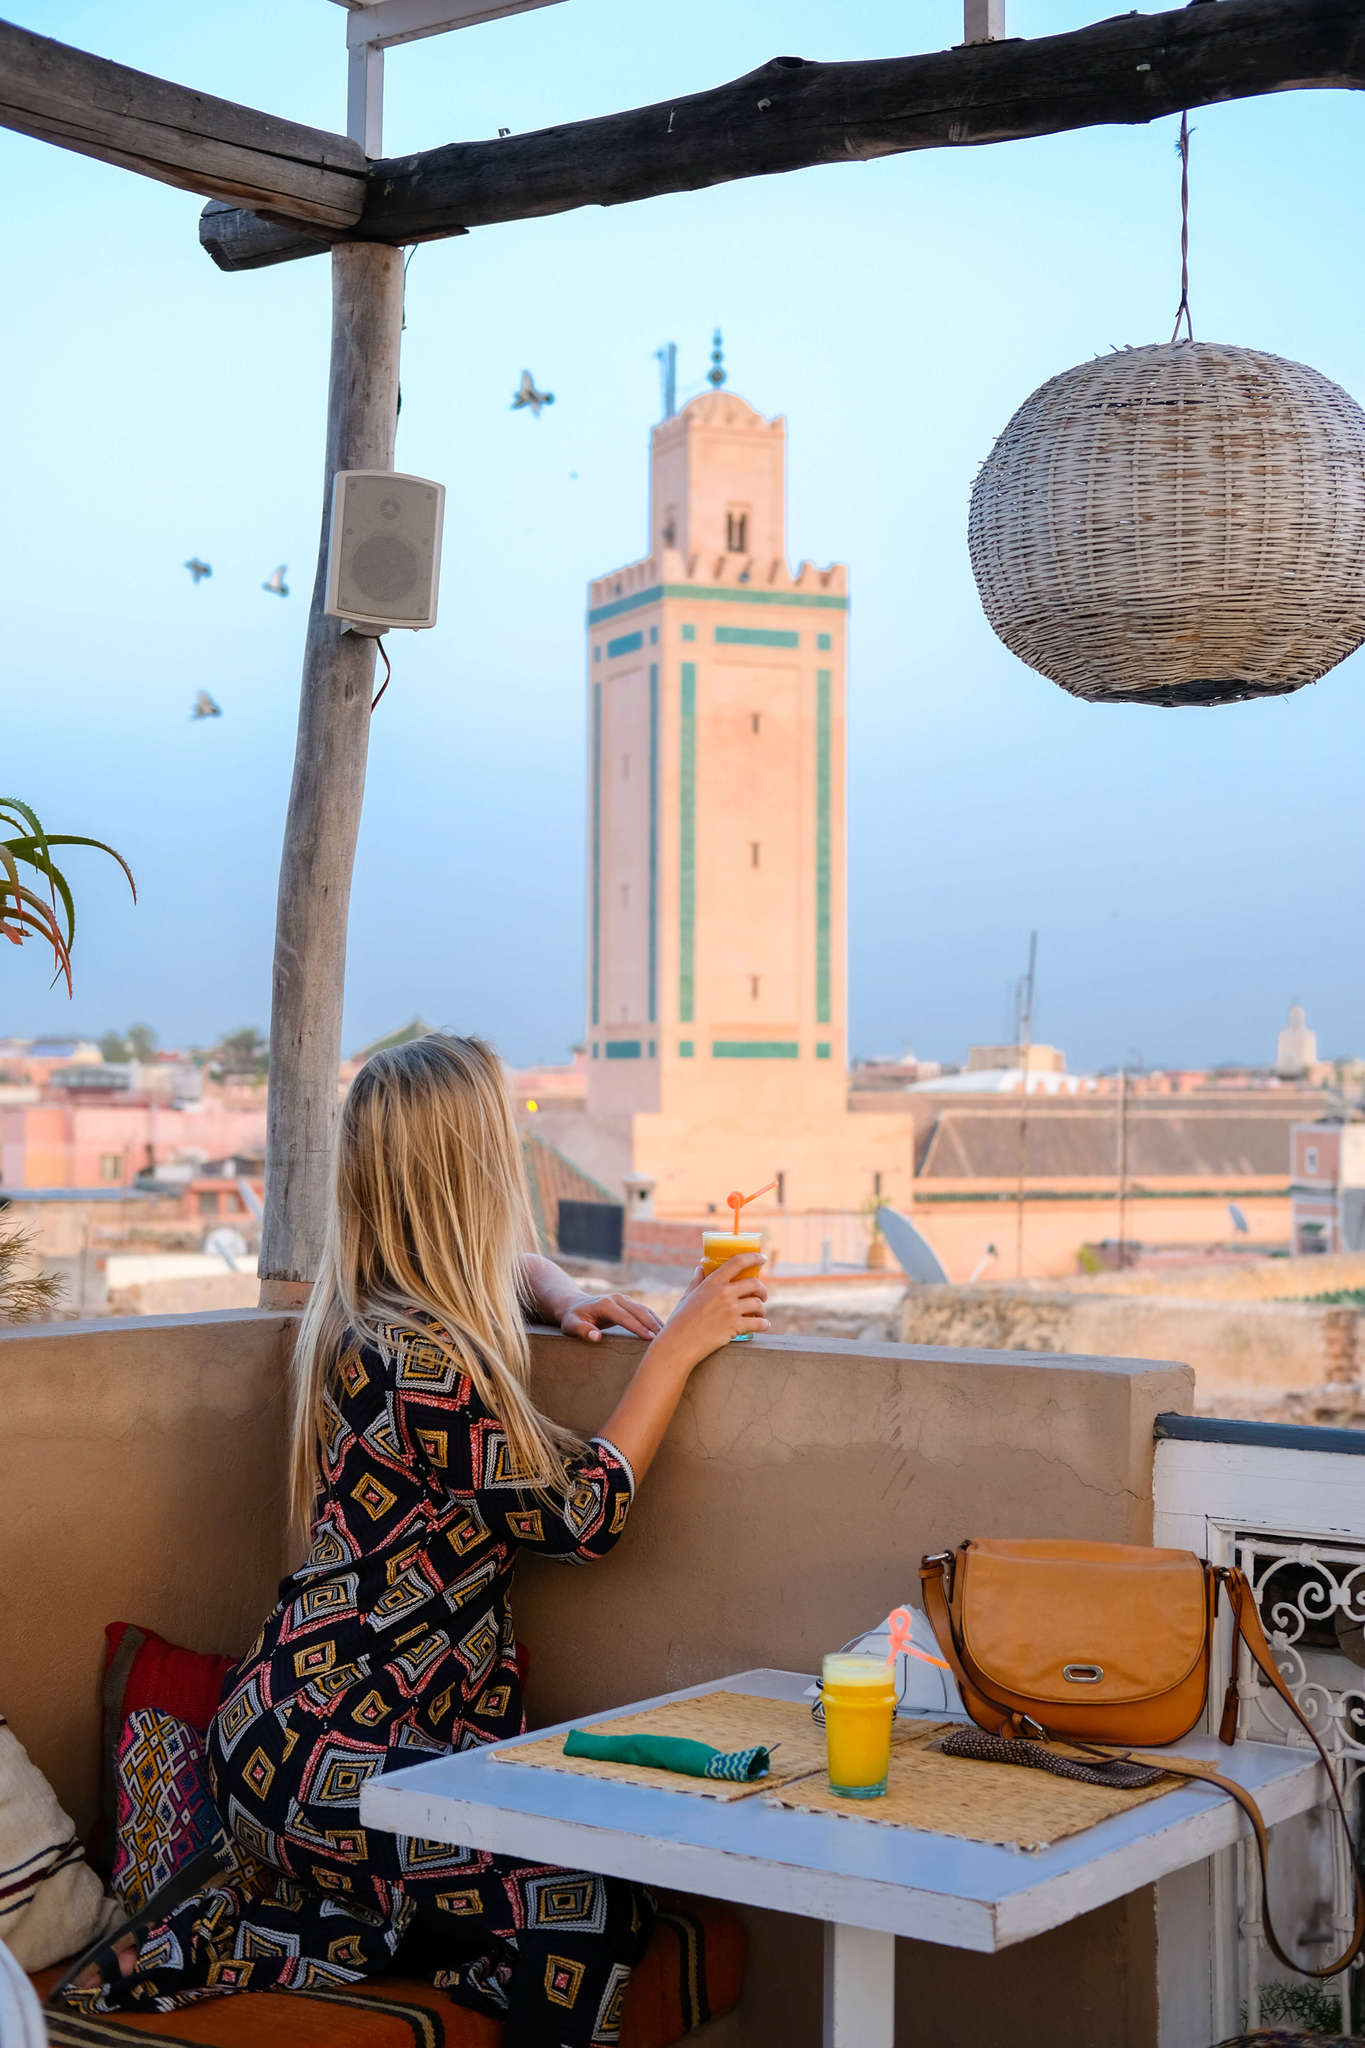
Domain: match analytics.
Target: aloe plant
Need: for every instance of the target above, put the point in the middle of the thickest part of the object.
(47, 909)
(25, 1296)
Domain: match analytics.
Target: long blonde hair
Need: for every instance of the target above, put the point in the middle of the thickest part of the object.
(430, 1213)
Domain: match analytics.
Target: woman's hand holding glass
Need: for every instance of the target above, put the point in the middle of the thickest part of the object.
(716, 1308)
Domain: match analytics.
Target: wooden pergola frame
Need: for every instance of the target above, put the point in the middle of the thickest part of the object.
(279, 191)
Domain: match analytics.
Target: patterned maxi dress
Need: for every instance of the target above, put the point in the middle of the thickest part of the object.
(393, 1641)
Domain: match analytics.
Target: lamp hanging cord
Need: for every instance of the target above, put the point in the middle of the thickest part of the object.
(1183, 309)
(388, 673)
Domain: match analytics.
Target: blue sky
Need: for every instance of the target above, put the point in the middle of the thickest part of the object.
(1190, 873)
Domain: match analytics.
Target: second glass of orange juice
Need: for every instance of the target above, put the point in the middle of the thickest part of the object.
(719, 1245)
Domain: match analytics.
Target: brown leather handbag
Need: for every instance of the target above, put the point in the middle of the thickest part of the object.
(1107, 1646)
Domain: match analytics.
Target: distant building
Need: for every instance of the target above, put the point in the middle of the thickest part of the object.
(1154, 1171)
(114, 1080)
(1327, 1186)
(52, 1050)
(33, 1061)
(716, 942)
(534, 1089)
(1039, 1059)
(69, 1142)
(1296, 1050)
(1006, 1081)
(890, 1071)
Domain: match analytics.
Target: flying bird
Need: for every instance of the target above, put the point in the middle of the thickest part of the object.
(199, 570)
(204, 707)
(528, 395)
(275, 582)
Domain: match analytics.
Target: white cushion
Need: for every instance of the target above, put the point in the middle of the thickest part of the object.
(52, 1905)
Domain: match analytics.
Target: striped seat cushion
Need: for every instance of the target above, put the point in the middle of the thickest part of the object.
(692, 1972)
(51, 1902)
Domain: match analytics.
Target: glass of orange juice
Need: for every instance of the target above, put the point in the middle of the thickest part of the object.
(859, 1700)
(719, 1245)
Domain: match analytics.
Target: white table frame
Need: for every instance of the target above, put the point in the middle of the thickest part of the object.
(867, 1883)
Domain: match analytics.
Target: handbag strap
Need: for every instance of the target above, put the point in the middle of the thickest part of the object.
(935, 1582)
(936, 1579)
(1247, 1621)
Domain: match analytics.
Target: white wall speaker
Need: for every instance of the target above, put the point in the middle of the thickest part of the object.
(384, 548)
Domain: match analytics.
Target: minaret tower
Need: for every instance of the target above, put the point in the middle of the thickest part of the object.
(716, 832)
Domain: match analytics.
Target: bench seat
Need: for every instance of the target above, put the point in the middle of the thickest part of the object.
(692, 1972)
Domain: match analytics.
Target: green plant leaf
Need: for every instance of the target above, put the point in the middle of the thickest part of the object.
(11, 867)
(75, 839)
(36, 915)
(28, 850)
(32, 847)
(42, 863)
(23, 815)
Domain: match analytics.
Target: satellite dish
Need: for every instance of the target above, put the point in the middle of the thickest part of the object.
(226, 1244)
(914, 1255)
(1239, 1222)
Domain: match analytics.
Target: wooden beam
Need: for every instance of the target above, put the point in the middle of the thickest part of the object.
(178, 136)
(325, 797)
(792, 113)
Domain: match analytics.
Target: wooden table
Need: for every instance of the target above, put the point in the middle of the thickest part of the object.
(866, 1883)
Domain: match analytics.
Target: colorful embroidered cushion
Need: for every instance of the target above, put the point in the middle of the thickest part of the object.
(165, 1811)
(692, 1972)
(141, 1669)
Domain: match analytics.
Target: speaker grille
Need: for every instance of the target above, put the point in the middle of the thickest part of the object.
(384, 568)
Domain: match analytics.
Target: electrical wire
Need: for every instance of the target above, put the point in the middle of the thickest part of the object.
(388, 673)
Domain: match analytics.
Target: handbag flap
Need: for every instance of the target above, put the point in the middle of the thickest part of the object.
(1084, 1623)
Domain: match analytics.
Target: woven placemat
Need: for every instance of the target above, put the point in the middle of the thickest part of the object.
(1006, 1804)
(727, 1720)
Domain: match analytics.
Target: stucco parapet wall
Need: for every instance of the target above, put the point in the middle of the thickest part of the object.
(141, 1479)
(87, 1378)
(672, 573)
(803, 1479)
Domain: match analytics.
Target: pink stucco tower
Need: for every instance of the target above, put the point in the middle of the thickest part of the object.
(716, 995)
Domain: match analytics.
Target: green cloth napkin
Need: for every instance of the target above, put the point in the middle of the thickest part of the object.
(669, 1753)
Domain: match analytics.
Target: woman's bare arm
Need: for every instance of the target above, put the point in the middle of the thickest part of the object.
(558, 1299)
(708, 1316)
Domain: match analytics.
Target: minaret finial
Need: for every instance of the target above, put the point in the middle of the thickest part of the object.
(716, 374)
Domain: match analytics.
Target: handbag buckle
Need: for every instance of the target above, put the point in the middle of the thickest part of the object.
(1083, 1674)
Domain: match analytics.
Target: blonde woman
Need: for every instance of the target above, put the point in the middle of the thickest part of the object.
(423, 1467)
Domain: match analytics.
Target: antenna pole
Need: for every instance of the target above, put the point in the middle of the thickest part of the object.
(667, 359)
(1123, 1166)
(1024, 1038)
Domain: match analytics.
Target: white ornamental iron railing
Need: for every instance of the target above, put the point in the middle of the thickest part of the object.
(1286, 1503)
(1311, 1596)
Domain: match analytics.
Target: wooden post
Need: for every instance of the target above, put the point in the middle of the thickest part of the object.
(325, 798)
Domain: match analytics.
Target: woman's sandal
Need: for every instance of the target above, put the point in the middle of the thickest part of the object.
(196, 1876)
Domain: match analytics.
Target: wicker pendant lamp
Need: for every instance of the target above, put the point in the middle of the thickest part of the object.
(1177, 524)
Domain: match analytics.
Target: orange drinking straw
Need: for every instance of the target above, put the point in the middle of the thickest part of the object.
(735, 1202)
(901, 1642)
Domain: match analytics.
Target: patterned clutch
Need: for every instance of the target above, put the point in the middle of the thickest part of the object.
(994, 1749)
